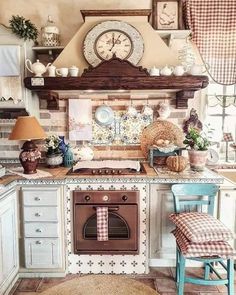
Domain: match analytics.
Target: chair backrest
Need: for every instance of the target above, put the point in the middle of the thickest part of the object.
(199, 196)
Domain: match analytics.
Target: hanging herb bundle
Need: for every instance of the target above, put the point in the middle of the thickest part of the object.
(23, 28)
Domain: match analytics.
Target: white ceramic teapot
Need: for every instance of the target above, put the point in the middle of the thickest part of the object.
(179, 70)
(166, 71)
(37, 68)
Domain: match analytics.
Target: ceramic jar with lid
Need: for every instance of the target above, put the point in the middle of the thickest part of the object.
(50, 33)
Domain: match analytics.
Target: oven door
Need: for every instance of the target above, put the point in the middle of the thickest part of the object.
(122, 229)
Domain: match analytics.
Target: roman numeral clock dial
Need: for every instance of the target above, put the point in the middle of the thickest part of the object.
(113, 37)
(113, 42)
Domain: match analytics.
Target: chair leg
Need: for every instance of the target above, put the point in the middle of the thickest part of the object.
(230, 276)
(206, 271)
(177, 266)
(181, 274)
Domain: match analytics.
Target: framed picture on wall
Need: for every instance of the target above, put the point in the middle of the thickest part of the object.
(167, 15)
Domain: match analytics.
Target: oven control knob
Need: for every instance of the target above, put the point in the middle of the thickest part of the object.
(87, 198)
(105, 198)
(100, 171)
(93, 171)
(119, 171)
(124, 198)
(113, 171)
(107, 171)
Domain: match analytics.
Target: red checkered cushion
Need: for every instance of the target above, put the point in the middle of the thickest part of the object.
(201, 227)
(102, 223)
(218, 248)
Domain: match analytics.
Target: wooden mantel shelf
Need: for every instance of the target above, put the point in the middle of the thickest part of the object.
(117, 74)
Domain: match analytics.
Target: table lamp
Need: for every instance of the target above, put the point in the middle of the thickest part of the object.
(28, 128)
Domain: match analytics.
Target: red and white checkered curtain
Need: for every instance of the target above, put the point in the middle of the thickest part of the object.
(213, 26)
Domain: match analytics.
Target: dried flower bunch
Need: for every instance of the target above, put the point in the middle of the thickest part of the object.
(52, 143)
(23, 28)
(196, 140)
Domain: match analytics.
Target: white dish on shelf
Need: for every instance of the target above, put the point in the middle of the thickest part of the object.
(104, 115)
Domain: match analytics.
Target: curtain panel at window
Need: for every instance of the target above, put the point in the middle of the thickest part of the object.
(213, 26)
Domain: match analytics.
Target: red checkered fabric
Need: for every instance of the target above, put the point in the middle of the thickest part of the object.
(220, 248)
(102, 223)
(201, 227)
(213, 27)
(227, 136)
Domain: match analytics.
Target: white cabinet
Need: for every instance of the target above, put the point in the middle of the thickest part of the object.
(227, 209)
(162, 242)
(9, 259)
(43, 228)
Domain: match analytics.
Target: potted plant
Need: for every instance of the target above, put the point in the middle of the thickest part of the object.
(198, 144)
(54, 155)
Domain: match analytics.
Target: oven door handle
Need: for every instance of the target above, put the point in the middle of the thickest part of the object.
(116, 208)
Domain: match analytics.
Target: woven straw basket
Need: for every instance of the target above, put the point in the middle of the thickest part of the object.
(160, 129)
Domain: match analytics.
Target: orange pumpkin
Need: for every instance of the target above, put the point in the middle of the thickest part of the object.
(176, 163)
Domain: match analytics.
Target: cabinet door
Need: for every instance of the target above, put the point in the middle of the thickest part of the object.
(8, 239)
(162, 242)
(42, 253)
(227, 210)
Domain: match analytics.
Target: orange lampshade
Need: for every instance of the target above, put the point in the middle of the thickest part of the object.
(27, 128)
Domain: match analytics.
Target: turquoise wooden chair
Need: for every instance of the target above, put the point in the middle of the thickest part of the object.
(180, 191)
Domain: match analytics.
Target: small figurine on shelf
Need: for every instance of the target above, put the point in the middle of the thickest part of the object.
(50, 33)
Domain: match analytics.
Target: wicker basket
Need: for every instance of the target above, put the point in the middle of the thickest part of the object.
(160, 129)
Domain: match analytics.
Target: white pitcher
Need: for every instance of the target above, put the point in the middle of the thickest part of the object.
(52, 71)
(37, 68)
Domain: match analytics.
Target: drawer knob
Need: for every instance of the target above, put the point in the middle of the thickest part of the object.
(37, 199)
(227, 195)
(38, 242)
(38, 230)
(38, 214)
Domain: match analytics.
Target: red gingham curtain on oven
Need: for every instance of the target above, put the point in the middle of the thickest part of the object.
(213, 26)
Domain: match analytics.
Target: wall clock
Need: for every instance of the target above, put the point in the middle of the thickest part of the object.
(113, 37)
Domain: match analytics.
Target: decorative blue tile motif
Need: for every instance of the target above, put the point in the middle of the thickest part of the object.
(125, 130)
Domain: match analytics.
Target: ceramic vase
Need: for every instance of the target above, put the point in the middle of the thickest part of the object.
(54, 160)
(197, 159)
(68, 157)
(62, 144)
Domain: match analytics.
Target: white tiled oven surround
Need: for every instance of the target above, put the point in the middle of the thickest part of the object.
(109, 264)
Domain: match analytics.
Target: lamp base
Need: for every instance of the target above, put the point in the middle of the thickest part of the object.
(29, 157)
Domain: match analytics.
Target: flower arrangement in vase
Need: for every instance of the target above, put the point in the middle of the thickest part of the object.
(54, 155)
(198, 144)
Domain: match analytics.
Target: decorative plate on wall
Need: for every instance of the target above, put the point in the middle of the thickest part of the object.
(113, 38)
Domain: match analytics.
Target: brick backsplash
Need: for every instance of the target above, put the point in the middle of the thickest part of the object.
(55, 122)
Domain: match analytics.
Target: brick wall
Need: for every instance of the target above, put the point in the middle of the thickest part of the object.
(55, 122)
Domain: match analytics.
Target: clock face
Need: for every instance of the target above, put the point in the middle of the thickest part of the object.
(113, 37)
(213, 157)
(113, 42)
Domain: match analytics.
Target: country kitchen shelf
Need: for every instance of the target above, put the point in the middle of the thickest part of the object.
(116, 74)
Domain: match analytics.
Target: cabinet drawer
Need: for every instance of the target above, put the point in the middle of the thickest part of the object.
(42, 253)
(40, 197)
(39, 229)
(40, 213)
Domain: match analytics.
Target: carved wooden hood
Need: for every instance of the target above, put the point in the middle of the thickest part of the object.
(117, 74)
